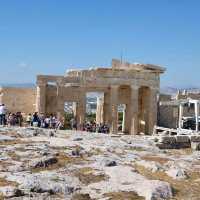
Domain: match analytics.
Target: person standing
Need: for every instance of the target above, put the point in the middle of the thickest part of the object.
(29, 119)
(3, 115)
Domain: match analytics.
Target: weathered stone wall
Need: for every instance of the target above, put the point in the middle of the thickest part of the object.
(18, 99)
(165, 97)
(168, 116)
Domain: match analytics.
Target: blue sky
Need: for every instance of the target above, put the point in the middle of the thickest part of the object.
(50, 36)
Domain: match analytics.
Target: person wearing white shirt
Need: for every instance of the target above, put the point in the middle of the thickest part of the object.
(2, 114)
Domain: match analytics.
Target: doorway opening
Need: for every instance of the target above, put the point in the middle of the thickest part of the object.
(94, 107)
(70, 113)
(121, 117)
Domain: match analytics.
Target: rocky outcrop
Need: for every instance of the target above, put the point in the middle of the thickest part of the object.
(94, 165)
(42, 162)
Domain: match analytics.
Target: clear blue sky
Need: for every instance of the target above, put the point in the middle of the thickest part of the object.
(50, 36)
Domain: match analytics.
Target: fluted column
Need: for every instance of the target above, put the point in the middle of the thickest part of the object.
(152, 111)
(41, 98)
(134, 110)
(180, 116)
(60, 101)
(81, 109)
(196, 106)
(114, 111)
(106, 109)
(99, 112)
(74, 105)
(124, 120)
(1, 95)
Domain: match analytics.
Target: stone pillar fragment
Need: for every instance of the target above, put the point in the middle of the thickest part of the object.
(41, 98)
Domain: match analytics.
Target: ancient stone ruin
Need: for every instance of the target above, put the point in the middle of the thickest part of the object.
(134, 85)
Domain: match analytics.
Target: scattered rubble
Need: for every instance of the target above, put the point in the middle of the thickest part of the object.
(77, 165)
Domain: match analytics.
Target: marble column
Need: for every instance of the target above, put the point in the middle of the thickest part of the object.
(180, 116)
(1, 95)
(197, 115)
(152, 111)
(134, 110)
(74, 105)
(81, 110)
(60, 102)
(106, 109)
(41, 98)
(114, 109)
(124, 120)
(99, 111)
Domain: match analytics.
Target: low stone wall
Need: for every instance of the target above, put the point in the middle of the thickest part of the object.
(178, 141)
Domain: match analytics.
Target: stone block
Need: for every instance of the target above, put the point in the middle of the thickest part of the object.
(195, 146)
(182, 139)
(183, 145)
(167, 139)
(195, 138)
(166, 146)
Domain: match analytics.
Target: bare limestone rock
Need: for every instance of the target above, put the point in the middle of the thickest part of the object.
(42, 162)
(108, 162)
(10, 191)
(45, 182)
(151, 165)
(177, 173)
(4, 138)
(124, 178)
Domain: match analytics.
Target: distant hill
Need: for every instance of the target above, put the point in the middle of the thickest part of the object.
(20, 85)
(168, 90)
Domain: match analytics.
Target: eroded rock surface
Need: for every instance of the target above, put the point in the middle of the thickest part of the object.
(78, 165)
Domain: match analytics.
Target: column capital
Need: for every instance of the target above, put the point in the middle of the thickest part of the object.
(41, 83)
(135, 87)
(60, 83)
(155, 89)
(114, 86)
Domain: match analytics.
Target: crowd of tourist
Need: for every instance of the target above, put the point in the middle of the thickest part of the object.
(42, 121)
(51, 121)
(36, 120)
(90, 126)
(94, 127)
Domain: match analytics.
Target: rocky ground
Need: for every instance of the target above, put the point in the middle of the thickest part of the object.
(42, 164)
